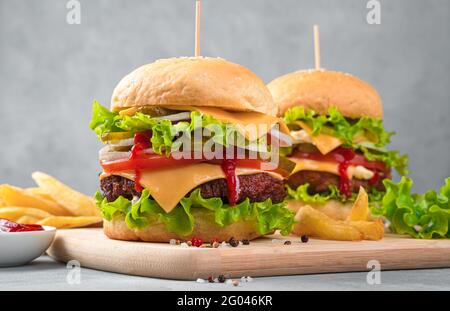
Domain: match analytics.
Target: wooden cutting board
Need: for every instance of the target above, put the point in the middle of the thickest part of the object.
(262, 257)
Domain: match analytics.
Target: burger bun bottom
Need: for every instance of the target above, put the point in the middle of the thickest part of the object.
(205, 228)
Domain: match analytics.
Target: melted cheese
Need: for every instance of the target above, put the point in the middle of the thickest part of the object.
(359, 172)
(250, 124)
(325, 143)
(170, 185)
(313, 165)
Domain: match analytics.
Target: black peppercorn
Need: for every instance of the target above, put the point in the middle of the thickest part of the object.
(221, 278)
(304, 238)
(245, 242)
(233, 242)
(287, 242)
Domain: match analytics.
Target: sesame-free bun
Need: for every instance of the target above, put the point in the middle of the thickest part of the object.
(205, 228)
(319, 90)
(193, 81)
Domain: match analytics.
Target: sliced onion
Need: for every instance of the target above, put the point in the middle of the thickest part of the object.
(113, 155)
(108, 154)
(176, 117)
(283, 139)
(122, 142)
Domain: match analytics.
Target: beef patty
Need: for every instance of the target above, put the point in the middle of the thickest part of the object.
(320, 181)
(257, 187)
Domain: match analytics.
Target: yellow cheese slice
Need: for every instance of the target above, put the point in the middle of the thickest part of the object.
(327, 167)
(170, 185)
(251, 125)
(325, 143)
(313, 165)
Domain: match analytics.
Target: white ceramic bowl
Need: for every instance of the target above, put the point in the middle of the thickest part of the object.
(19, 248)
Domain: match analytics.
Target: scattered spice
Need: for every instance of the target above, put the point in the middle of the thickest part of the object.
(173, 242)
(214, 240)
(236, 283)
(210, 279)
(287, 243)
(200, 281)
(245, 242)
(215, 244)
(189, 243)
(196, 242)
(221, 278)
(233, 242)
(305, 238)
(178, 242)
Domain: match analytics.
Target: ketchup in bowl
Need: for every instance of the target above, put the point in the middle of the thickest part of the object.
(10, 226)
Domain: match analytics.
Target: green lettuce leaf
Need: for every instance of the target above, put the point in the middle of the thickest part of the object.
(302, 194)
(166, 136)
(145, 212)
(335, 124)
(424, 216)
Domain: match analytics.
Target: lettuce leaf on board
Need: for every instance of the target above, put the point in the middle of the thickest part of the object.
(423, 216)
(180, 220)
(335, 124)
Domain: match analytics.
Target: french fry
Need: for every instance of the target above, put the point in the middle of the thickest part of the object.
(13, 196)
(15, 212)
(319, 225)
(66, 222)
(77, 203)
(40, 193)
(371, 230)
(360, 209)
(27, 220)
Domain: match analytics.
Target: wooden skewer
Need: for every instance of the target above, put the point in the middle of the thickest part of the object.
(198, 13)
(317, 46)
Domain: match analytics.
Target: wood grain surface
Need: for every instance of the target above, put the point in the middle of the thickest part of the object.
(262, 257)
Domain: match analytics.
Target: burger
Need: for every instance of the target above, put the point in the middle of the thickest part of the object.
(182, 159)
(339, 142)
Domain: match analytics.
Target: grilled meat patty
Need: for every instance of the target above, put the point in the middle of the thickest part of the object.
(257, 187)
(320, 181)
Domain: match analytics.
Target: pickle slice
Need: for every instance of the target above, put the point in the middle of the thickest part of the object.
(115, 136)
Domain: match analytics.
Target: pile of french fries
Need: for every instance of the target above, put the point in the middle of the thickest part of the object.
(52, 203)
(358, 225)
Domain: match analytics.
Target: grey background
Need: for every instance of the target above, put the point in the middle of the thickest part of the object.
(51, 71)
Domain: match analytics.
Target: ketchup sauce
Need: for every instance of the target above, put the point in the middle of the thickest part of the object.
(229, 169)
(10, 226)
(140, 143)
(343, 157)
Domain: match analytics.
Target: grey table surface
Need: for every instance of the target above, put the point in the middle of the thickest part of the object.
(46, 274)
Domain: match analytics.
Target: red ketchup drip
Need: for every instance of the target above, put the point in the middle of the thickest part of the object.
(229, 169)
(375, 178)
(10, 226)
(141, 142)
(344, 158)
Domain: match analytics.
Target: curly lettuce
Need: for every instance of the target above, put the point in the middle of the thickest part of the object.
(146, 212)
(302, 194)
(423, 216)
(350, 132)
(167, 136)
